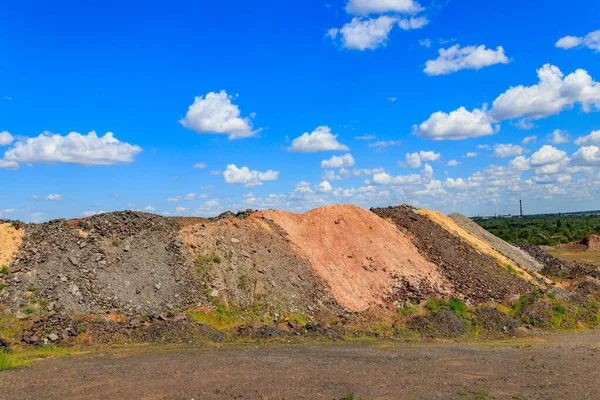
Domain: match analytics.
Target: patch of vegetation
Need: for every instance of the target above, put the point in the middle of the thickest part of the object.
(436, 305)
(31, 288)
(474, 395)
(29, 310)
(548, 229)
(458, 306)
(2, 286)
(244, 282)
(216, 259)
(115, 243)
(551, 296)
(24, 358)
(4, 270)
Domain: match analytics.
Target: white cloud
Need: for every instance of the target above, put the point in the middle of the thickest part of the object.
(190, 197)
(53, 197)
(591, 41)
(520, 163)
(392, 99)
(214, 113)
(586, 155)
(383, 178)
(524, 124)
(9, 164)
(321, 139)
(529, 139)
(452, 163)
(73, 148)
(181, 210)
(547, 155)
(553, 93)
(456, 58)
(366, 7)
(363, 34)
(507, 150)
(484, 147)
(412, 23)
(338, 162)
(415, 160)
(593, 137)
(173, 199)
(458, 184)
(149, 208)
(425, 42)
(248, 178)
(471, 154)
(200, 165)
(37, 217)
(459, 124)
(427, 172)
(568, 42)
(383, 144)
(324, 187)
(5, 138)
(559, 137)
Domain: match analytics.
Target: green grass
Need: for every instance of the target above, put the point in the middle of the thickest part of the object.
(216, 260)
(24, 358)
(458, 306)
(436, 305)
(115, 243)
(2, 286)
(4, 270)
(31, 288)
(551, 296)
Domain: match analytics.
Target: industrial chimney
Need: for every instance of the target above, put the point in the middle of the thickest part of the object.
(521, 206)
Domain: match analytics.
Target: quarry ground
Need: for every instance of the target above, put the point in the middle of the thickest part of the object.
(557, 366)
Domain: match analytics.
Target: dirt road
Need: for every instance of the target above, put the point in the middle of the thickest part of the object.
(556, 367)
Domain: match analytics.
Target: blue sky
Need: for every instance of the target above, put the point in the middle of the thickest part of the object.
(257, 95)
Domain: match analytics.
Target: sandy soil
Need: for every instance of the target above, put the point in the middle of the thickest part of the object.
(357, 253)
(10, 242)
(558, 367)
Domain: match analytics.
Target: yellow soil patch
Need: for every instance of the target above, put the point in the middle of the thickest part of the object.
(10, 242)
(451, 226)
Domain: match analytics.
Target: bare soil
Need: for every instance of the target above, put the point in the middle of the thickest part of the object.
(366, 261)
(11, 237)
(474, 275)
(562, 366)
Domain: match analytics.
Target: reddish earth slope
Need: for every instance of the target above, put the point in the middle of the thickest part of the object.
(365, 260)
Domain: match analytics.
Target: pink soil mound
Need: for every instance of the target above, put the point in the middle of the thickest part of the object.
(364, 259)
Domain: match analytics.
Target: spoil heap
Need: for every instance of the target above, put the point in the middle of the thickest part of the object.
(473, 274)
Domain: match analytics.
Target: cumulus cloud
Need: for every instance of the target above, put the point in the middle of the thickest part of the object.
(524, 124)
(412, 23)
(529, 139)
(593, 137)
(366, 7)
(547, 155)
(321, 139)
(553, 93)
(149, 208)
(415, 160)
(215, 113)
(452, 163)
(456, 58)
(459, 124)
(559, 137)
(383, 178)
(324, 187)
(181, 210)
(73, 148)
(591, 41)
(507, 150)
(586, 155)
(338, 162)
(520, 163)
(568, 42)
(5, 138)
(248, 178)
(471, 154)
(364, 34)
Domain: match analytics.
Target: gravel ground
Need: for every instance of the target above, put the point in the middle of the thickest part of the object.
(514, 253)
(122, 262)
(557, 367)
(472, 274)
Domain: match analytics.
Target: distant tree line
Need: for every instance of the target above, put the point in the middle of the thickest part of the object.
(548, 229)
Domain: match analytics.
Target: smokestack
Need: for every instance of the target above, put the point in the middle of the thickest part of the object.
(521, 206)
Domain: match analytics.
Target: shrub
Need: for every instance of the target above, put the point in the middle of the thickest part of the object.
(551, 296)
(216, 259)
(31, 288)
(458, 306)
(4, 270)
(436, 305)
